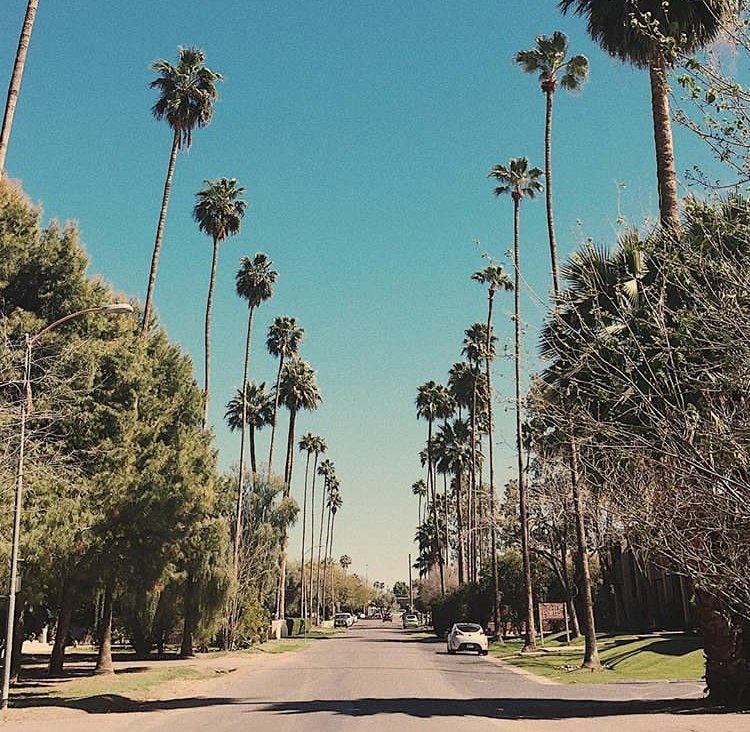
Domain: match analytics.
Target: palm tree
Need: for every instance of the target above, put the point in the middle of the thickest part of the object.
(335, 503)
(495, 278)
(318, 447)
(549, 58)
(616, 26)
(433, 402)
(298, 389)
(520, 181)
(327, 471)
(419, 489)
(187, 93)
(334, 499)
(474, 347)
(254, 282)
(15, 80)
(258, 412)
(218, 211)
(283, 340)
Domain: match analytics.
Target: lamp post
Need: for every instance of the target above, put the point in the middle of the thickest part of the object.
(111, 309)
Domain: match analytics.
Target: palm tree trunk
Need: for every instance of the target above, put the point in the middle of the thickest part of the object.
(207, 334)
(490, 457)
(325, 566)
(333, 588)
(15, 80)
(445, 512)
(312, 529)
(665, 164)
(302, 603)
(243, 428)
(320, 548)
(460, 529)
(253, 461)
(472, 543)
(530, 643)
(275, 417)
(104, 656)
(281, 595)
(548, 193)
(436, 532)
(159, 234)
(591, 653)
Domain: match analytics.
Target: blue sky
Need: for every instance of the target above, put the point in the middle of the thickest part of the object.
(363, 133)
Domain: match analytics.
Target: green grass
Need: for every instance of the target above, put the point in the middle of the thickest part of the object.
(136, 683)
(626, 658)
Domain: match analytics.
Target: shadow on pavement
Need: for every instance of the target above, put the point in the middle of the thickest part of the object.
(500, 708)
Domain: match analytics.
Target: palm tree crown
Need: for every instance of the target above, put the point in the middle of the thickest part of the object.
(475, 343)
(255, 279)
(218, 210)
(187, 93)
(298, 388)
(517, 179)
(548, 58)
(693, 23)
(258, 404)
(493, 275)
(284, 336)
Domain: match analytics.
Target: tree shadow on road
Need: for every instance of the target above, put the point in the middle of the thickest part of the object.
(493, 708)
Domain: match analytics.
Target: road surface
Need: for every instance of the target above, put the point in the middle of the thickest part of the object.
(379, 677)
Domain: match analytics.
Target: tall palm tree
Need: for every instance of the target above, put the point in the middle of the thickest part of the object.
(327, 471)
(550, 58)
(298, 390)
(254, 283)
(474, 346)
(689, 25)
(218, 211)
(319, 447)
(309, 444)
(187, 92)
(520, 181)
(15, 80)
(419, 489)
(335, 503)
(332, 500)
(495, 278)
(433, 402)
(258, 412)
(283, 340)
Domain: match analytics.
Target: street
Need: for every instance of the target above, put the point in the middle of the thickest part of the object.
(378, 676)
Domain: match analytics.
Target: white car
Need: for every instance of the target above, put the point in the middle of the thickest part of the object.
(467, 637)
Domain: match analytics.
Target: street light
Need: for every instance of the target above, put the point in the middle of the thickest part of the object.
(119, 308)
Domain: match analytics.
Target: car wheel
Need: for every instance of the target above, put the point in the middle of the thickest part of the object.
(451, 652)
(483, 653)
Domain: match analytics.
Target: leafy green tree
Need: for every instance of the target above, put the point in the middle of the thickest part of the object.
(519, 181)
(616, 25)
(549, 58)
(187, 93)
(218, 211)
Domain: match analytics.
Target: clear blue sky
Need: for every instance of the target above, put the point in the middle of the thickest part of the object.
(363, 132)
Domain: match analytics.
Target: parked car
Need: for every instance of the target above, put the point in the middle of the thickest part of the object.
(387, 618)
(341, 620)
(467, 637)
(409, 620)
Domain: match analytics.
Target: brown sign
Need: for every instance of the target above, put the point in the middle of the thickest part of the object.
(552, 610)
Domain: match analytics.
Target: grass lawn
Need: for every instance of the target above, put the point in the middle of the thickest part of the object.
(625, 658)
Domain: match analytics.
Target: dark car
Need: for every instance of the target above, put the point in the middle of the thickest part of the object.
(341, 620)
(387, 618)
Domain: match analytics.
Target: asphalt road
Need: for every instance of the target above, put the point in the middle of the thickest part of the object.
(380, 677)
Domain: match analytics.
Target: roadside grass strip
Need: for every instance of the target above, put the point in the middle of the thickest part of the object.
(625, 658)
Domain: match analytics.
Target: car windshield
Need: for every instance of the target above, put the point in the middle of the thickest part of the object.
(341, 616)
(469, 628)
